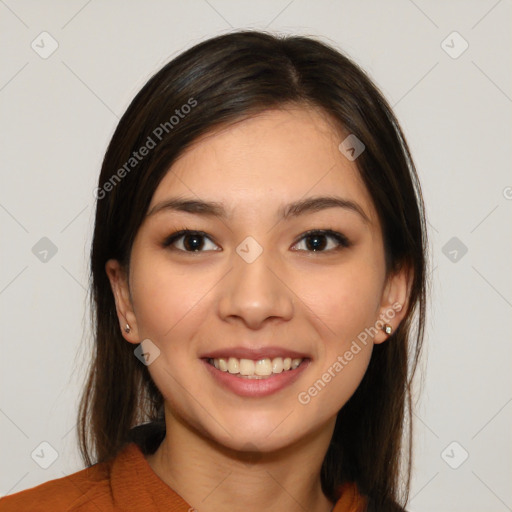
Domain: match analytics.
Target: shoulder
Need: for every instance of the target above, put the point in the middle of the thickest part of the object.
(374, 505)
(88, 489)
(124, 482)
(351, 499)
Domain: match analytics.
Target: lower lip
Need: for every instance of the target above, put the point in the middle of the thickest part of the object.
(256, 387)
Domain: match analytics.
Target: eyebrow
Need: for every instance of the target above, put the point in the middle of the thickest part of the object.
(295, 209)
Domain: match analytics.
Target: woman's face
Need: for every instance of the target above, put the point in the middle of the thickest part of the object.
(253, 289)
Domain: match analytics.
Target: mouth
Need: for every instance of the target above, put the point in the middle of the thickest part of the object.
(255, 373)
(263, 368)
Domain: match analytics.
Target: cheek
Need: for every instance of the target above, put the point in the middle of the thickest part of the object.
(166, 300)
(170, 306)
(343, 305)
(345, 301)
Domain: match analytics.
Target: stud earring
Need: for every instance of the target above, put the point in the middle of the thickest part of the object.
(387, 329)
(127, 329)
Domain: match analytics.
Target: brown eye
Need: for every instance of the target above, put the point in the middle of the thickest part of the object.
(189, 241)
(323, 240)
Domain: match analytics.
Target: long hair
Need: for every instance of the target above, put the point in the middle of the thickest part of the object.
(217, 82)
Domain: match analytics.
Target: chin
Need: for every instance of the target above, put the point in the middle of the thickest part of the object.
(256, 432)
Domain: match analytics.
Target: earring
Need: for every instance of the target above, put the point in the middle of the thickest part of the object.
(127, 328)
(387, 329)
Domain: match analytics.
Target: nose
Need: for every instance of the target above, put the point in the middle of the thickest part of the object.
(254, 293)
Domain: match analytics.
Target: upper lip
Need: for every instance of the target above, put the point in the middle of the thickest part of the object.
(253, 353)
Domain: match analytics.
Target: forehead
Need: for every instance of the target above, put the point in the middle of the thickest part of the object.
(275, 157)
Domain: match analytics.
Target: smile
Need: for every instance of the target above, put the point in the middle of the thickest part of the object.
(255, 369)
(256, 378)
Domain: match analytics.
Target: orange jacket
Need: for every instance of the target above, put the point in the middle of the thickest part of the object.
(127, 483)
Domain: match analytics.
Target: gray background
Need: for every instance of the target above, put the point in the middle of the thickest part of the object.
(59, 112)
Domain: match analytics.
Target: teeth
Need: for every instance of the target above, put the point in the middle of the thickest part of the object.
(246, 367)
(263, 367)
(255, 369)
(233, 365)
(295, 363)
(277, 365)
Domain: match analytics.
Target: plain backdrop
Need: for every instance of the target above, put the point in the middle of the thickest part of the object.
(68, 71)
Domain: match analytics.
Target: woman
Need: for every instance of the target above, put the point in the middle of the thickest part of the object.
(259, 253)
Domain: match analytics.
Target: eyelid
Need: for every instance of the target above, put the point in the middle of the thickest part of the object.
(169, 240)
(341, 240)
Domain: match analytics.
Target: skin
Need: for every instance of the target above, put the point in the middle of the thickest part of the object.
(223, 451)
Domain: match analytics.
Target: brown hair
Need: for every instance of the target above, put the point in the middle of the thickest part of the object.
(223, 80)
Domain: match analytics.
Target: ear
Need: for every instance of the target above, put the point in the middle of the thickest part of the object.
(120, 288)
(394, 303)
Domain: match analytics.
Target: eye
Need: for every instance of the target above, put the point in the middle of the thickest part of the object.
(189, 241)
(318, 241)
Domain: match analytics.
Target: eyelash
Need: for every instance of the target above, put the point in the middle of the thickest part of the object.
(341, 239)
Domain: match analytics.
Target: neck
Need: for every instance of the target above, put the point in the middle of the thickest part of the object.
(211, 477)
